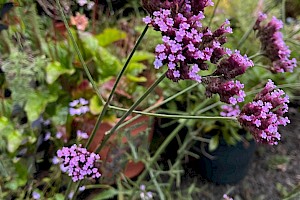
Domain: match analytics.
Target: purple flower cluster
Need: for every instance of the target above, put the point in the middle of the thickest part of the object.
(188, 47)
(186, 44)
(179, 5)
(263, 116)
(78, 107)
(78, 162)
(230, 111)
(226, 197)
(232, 66)
(145, 195)
(230, 91)
(273, 45)
(82, 135)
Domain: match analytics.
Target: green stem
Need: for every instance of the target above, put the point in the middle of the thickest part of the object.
(159, 104)
(256, 55)
(78, 51)
(152, 87)
(214, 12)
(106, 105)
(68, 190)
(283, 11)
(76, 189)
(172, 135)
(289, 85)
(246, 35)
(161, 149)
(179, 116)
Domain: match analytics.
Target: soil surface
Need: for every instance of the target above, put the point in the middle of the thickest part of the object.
(274, 172)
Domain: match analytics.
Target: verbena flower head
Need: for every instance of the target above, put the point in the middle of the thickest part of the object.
(226, 197)
(78, 162)
(265, 113)
(233, 66)
(82, 2)
(230, 91)
(188, 47)
(36, 195)
(273, 45)
(82, 135)
(145, 195)
(180, 6)
(78, 107)
(230, 111)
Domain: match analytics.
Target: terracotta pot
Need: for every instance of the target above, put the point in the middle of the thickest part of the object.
(141, 124)
(131, 169)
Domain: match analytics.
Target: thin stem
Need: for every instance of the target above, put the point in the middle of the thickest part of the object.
(179, 116)
(78, 51)
(289, 85)
(256, 55)
(75, 191)
(214, 12)
(172, 135)
(159, 104)
(106, 105)
(161, 149)
(152, 87)
(68, 190)
(246, 35)
(283, 11)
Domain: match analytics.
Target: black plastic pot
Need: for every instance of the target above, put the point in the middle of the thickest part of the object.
(229, 164)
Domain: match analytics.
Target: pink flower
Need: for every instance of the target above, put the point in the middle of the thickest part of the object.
(80, 21)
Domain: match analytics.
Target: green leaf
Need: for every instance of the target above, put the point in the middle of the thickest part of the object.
(135, 68)
(90, 43)
(37, 102)
(142, 56)
(61, 114)
(14, 140)
(95, 105)
(107, 194)
(14, 137)
(108, 64)
(59, 197)
(294, 194)
(54, 70)
(213, 143)
(136, 79)
(109, 36)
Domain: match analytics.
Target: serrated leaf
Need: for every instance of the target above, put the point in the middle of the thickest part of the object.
(213, 143)
(109, 36)
(107, 194)
(54, 70)
(95, 105)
